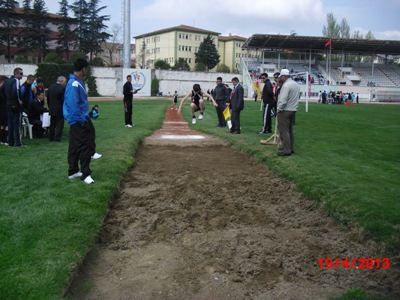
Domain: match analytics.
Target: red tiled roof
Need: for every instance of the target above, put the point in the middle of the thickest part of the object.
(181, 28)
(231, 38)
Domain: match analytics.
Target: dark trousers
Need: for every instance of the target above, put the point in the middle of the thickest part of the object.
(220, 113)
(235, 118)
(81, 140)
(128, 111)
(285, 128)
(37, 129)
(267, 108)
(14, 123)
(56, 128)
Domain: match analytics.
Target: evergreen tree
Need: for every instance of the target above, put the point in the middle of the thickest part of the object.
(9, 23)
(208, 53)
(80, 9)
(27, 4)
(65, 33)
(91, 30)
(40, 33)
(97, 28)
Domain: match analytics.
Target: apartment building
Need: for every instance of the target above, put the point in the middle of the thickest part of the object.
(183, 41)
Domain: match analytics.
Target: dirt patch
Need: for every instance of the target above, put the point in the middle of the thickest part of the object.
(211, 223)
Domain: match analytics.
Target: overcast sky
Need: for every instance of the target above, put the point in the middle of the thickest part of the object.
(241, 17)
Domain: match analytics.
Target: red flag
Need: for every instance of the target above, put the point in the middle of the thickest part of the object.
(328, 43)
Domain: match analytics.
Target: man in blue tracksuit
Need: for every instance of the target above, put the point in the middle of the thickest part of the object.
(82, 133)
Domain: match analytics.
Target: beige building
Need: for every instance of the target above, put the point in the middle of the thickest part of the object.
(230, 51)
(170, 44)
(183, 41)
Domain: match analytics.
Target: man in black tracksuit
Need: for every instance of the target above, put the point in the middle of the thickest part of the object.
(268, 104)
(220, 94)
(55, 99)
(128, 96)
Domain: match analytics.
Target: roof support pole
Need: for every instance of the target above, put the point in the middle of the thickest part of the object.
(309, 64)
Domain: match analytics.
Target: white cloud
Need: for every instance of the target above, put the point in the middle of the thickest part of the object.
(238, 16)
(389, 35)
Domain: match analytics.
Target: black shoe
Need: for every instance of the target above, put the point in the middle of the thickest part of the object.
(284, 154)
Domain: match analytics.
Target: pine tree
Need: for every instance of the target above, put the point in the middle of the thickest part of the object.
(207, 54)
(80, 9)
(65, 33)
(40, 32)
(97, 28)
(8, 23)
(332, 28)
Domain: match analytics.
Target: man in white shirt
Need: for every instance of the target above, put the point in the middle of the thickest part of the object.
(288, 101)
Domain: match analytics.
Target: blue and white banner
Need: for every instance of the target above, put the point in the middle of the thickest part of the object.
(141, 79)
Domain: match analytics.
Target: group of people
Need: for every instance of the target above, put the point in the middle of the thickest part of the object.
(337, 97)
(62, 100)
(28, 102)
(280, 99)
(221, 96)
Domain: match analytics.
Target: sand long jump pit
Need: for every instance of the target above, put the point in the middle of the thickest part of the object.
(198, 220)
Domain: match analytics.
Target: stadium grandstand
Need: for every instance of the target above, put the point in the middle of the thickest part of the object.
(367, 67)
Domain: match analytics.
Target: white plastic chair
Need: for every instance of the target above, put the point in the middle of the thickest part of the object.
(26, 126)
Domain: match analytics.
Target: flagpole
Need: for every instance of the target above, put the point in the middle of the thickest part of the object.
(330, 60)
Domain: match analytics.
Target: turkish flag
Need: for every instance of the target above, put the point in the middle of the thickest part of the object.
(328, 43)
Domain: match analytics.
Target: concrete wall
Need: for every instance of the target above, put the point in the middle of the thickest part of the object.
(110, 80)
(171, 81)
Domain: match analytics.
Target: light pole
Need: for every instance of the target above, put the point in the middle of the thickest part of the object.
(127, 33)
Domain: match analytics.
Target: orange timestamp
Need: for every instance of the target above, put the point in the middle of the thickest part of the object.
(360, 263)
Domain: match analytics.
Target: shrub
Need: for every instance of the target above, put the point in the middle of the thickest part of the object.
(97, 62)
(222, 68)
(53, 57)
(200, 67)
(50, 71)
(162, 65)
(155, 85)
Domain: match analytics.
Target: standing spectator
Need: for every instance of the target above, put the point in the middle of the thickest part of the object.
(220, 95)
(128, 96)
(288, 102)
(38, 86)
(268, 104)
(27, 96)
(82, 132)
(319, 96)
(357, 98)
(55, 100)
(14, 108)
(236, 105)
(36, 109)
(324, 97)
(3, 112)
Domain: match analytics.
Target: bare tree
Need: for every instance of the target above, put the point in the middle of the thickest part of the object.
(112, 46)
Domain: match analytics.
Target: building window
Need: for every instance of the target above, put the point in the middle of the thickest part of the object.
(196, 49)
(190, 48)
(187, 36)
(190, 60)
(180, 36)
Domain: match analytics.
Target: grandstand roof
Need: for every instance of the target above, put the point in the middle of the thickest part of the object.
(317, 44)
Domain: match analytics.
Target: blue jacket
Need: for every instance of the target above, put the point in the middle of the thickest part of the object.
(76, 105)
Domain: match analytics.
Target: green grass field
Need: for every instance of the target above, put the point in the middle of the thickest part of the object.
(347, 157)
(47, 222)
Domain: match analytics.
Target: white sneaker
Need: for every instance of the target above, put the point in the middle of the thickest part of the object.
(76, 175)
(194, 121)
(88, 180)
(201, 116)
(128, 126)
(97, 155)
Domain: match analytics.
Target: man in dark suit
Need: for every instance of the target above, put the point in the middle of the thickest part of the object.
(268, 104)
(55, 100)
(236, 105)
(14, 107)
(128, 96)
(220, 95)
